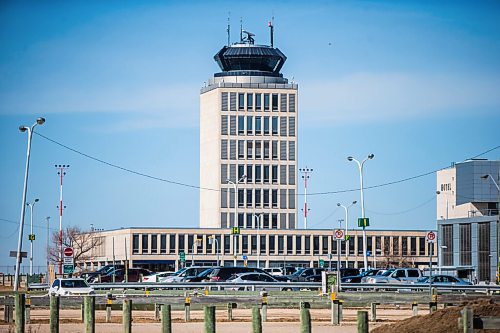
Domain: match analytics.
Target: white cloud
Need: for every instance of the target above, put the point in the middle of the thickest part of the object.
(373, 97)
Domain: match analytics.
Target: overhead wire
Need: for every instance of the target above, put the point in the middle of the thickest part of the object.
(218, 190)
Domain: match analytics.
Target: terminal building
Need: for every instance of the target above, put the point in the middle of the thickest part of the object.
(467, 217)
(248, 180)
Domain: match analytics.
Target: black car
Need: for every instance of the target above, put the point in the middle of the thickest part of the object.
(105, 270)
(357, 278)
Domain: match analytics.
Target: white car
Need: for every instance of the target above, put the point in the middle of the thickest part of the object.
(157, 277)
(399, 275)
(70, 287)
(252, 277)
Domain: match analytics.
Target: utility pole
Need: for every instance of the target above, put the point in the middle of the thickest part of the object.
(31, 205)
(61, 174)
(305, 175)
(47, 250)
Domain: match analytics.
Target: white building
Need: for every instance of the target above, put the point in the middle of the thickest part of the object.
(248, 141)
(467, 216)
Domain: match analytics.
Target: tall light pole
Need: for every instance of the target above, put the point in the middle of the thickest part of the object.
(47, 249)
(61, 174)
(360, 167)
(235, 185)
(258, 237)
(32, 236)
(346, 208)
(498, 210)
(22, 128)
(305, 175)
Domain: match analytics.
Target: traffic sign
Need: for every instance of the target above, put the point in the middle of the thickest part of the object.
(182, 256)
(68, 252)
(31, 237)
(235, 230)
(363, 222)
(68, 260)
(347, 237)
(321, 263)
(368, 253)
(431, 237)
(245, 257)
(68, 269)
(339, 234)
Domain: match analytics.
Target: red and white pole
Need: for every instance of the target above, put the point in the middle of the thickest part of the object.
(61, 174)
(305, 175)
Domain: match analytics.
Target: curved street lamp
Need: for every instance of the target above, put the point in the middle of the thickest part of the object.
(235, 185)
(346, 208)
(360, 167)
(23, 129)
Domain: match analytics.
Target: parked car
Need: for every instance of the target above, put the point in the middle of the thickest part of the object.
(157, 277)
(185, 274)
(224, 273)
(252, 277)
(134, 275)
(349, 272)
(443, 280)
(399, 275)
(274, 271)
(360, 278)
(203, 276)
(101, 271)
(70, 287)
(302, 274)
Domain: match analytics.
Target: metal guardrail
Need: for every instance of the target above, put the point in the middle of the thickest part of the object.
(253, 286)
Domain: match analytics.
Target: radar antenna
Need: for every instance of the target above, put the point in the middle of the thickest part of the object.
(249, 38)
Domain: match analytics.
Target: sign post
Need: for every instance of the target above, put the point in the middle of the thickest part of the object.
(68, 260)
(431, 238)
(339, 236)
(182, 258)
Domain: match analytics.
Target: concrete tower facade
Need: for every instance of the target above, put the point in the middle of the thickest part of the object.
(248, 141)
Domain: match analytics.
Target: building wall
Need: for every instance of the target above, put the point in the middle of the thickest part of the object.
(224, 148)
(297, 247)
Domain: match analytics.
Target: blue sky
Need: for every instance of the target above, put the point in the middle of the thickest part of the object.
(417, 84)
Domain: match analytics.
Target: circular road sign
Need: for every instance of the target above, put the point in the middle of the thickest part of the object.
(339, 234)
(68, 251)
(431, 236)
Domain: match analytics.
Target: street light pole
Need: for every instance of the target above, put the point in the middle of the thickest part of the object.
(47, 249)
(258, 237)
(498, 213)
(39, 121)
(61, 174)
(213, 238)
(360, 167)
(305, 175)
(346, 208)
(31, 205)
(235, 185)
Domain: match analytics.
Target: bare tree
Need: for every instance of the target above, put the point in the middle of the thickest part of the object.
(84, 244)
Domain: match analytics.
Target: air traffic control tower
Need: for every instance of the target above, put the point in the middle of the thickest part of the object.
(248, 140)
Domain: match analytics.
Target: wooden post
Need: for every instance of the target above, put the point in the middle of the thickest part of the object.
(82, 313)
(89, 310)
(27, 314)
(264, 305)
(335, 318)
(362, 321)
(127, 316)
(54, 314)
(109, 302)
(373, 312)
(414, 308)
(20, 308)
(209, 319)
(305, 320)
(166, 319)
(256, 320)
(157, 311)
(467, 320)
(187, 309)
(432, 307)
(230, 311)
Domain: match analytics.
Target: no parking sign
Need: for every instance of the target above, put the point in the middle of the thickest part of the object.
(431, 237)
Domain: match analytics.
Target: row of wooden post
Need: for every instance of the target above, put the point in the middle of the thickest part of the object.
(163, 312)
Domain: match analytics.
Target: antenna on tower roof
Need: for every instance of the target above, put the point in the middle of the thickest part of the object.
(271, 27)
(241, 29)
(228, 29)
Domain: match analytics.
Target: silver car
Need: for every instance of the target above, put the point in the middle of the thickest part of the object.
(399, 275)
(252, 277)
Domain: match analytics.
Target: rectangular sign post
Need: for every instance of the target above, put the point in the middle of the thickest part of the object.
(431, 238)
(68, 260)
